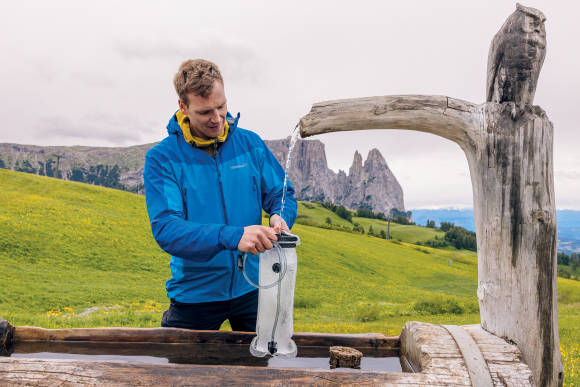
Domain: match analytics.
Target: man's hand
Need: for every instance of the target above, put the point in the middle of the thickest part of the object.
(278, 224)
(257, 239)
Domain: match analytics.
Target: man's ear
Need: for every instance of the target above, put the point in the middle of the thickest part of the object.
(182, 106)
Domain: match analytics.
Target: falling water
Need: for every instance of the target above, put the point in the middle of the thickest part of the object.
(293, 138)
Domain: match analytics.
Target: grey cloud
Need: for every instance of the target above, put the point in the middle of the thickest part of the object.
(572, 175)
(114, 130)
(94, 80)
(238, 60)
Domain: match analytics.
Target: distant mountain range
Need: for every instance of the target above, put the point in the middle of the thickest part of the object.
(568, 223)
(370, 185)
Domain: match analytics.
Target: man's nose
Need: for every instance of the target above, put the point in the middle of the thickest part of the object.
(215, 116)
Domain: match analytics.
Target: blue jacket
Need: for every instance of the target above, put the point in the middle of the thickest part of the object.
(198, 207)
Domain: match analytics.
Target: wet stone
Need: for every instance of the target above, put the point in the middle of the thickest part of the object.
(345, 357)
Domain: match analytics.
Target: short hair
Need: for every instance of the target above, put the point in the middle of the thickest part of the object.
(196, 76)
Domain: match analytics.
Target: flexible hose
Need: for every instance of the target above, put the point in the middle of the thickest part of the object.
(277, 304)
(281, 260)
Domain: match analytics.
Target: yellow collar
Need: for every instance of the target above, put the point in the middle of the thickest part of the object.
(183, 122)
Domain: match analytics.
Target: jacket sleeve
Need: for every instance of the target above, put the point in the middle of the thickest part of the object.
(272, 183)
(174, 234)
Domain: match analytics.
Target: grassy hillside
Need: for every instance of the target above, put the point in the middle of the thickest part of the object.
(314, 214)
(66, 244)
(402, 232)
(75, 255)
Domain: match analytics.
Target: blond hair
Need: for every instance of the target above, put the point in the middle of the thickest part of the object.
(196, 76)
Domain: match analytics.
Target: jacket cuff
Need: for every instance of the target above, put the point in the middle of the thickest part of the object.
(230, 236)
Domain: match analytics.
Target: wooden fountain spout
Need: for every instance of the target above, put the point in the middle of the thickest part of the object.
(508, 144)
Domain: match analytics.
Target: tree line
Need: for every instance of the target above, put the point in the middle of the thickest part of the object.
(569, 265)
(396, 216)
(456, 236)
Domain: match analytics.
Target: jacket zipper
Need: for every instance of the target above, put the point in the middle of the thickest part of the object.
(215, 147)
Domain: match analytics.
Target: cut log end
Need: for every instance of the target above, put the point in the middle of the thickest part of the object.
(6, 338)
(345, 357)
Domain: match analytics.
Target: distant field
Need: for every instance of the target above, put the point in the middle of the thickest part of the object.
(402, 232)
(315, 215)
(75, 255)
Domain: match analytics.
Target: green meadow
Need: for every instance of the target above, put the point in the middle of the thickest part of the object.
(76, 255)
(314, 214)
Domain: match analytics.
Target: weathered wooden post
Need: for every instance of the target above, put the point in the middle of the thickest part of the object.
(508, 145)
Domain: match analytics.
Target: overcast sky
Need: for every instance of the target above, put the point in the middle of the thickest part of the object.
(100, 74)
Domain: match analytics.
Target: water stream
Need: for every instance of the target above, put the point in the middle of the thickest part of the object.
(293, 138)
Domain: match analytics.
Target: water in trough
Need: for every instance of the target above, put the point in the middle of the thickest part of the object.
(207, 354)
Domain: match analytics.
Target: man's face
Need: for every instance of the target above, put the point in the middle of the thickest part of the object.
(206, 115)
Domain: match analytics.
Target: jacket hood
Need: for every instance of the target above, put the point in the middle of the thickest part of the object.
(174, 128)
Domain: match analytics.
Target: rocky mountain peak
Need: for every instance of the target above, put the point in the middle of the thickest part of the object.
(375, 163)
(357, 165)
(369, 184)
(375, 156)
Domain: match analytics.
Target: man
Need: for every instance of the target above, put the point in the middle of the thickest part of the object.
(206, 184)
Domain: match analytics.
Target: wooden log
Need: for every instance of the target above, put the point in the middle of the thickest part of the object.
(431, 349)
(474, 361)
(16, 372)
(503, 359)
(178, 335)
(508, 145)
(454, 119)
(345, 357)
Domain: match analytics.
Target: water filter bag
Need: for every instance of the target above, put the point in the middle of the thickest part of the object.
(274, 326)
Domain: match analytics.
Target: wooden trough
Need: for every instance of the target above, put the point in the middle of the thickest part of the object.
(428, 354)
